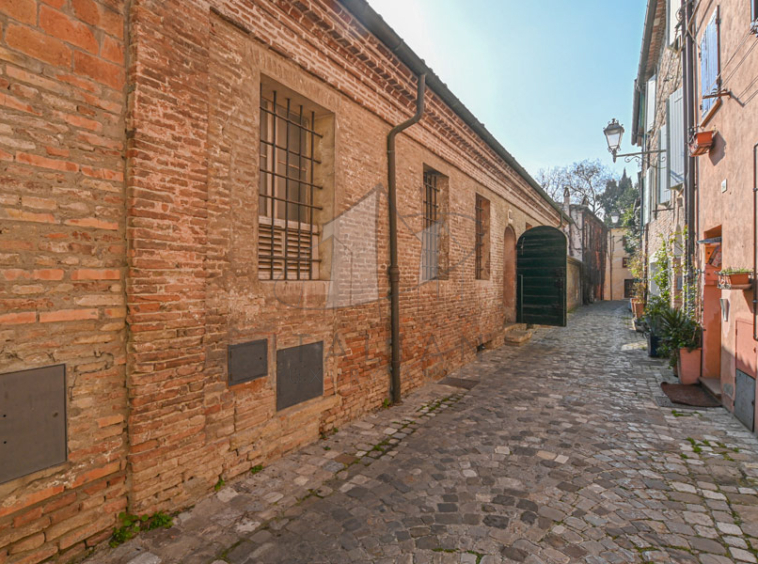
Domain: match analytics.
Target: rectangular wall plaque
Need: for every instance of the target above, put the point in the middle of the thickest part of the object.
(32, 421)
(299, 374)
(248, 361)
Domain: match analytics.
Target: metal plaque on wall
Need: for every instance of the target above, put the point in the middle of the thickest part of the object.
(32, 421)
(744, 400)
(248, 361)
(299, 374)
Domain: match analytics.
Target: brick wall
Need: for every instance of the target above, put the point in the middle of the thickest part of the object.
(62, 259)
(183, 225)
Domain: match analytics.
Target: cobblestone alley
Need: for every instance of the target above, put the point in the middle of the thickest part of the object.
(558, 453)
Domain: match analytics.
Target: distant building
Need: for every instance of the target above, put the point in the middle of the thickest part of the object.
(619, 282)
(587, 243)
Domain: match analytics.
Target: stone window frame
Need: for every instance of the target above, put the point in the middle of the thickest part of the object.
(293, 190)
(434, 233)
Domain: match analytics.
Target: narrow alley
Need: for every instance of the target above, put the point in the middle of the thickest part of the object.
(559, 452)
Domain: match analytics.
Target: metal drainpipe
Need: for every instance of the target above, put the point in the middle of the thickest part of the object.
(755, 242)
(394, 269)
(689, 125)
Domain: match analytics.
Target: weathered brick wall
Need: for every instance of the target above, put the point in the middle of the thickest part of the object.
(665, 218)
(180, 218)
(62, 258)
(192, 236)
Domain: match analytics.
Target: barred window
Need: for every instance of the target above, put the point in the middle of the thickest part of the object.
(482, 238)
(430, 241)
(287, 227)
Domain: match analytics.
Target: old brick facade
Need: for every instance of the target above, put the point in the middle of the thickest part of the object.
(129, 162)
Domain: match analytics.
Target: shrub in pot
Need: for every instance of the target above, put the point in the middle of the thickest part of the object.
(682, 337)
(654, 311)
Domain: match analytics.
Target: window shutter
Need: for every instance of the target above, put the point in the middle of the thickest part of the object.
(643, 205)
(677, 142)
(650, 111)
(709, 64)
(673, 19)
(754, 14)
(649, 185)
(663, 176)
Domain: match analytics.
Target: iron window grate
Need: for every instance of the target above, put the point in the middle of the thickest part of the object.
(287, 236)
(431, 236)
(480, 233)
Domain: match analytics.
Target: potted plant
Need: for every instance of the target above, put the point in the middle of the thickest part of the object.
(682, 339)
(734, 277)
(654, 311)
(638, 300)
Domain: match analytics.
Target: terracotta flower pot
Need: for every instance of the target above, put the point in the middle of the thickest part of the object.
(638, 308)
(701, 143)
(739, 279)
(688, 366)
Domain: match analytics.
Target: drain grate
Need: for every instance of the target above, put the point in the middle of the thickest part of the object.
(458, 383)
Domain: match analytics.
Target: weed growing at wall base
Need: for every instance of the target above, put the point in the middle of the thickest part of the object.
(132, 525)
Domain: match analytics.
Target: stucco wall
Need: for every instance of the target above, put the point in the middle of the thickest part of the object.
(574, 284)
(730, 161)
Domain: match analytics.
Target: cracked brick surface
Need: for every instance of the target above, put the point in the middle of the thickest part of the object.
(559, 454)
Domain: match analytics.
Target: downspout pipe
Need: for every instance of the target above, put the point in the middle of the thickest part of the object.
(689, 128)
(394, 268)
(755, 242)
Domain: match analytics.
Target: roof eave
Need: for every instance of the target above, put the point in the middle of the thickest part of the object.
(647, 37)
(375, 24)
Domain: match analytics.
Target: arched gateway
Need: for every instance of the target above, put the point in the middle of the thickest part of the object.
(541, 277)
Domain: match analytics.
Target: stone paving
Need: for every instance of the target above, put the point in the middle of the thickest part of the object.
(559, 454)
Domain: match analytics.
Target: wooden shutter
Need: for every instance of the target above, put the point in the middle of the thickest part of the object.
(643, 204)
(663, 174)
(709, 64)
(677, 142)
(649, 187)
(652, 84)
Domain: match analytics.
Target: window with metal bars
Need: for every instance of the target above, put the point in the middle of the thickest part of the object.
(482, 238)
(430, 241)
(287, 224)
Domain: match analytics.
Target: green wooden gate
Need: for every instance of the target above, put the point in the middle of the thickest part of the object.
(541, 275)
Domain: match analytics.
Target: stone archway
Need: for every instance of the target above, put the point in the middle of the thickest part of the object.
(509, 275)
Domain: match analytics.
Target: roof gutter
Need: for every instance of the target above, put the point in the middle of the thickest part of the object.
(639, 84)
(375, 24)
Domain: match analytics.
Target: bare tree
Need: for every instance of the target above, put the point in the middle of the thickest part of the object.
(586, 181)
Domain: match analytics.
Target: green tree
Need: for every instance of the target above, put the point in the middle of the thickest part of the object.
(619, 196)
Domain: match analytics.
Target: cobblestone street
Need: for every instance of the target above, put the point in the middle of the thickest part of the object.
(558, 453)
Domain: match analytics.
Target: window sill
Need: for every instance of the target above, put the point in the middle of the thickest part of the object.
(712, 112)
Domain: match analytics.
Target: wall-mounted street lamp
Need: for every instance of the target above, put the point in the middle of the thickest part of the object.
(615, 218)
(614, 132)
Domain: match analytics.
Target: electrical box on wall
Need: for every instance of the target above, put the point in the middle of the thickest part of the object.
(32, 421)
(299, 374)
(248, 361)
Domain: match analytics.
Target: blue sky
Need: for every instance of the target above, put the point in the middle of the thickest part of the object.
(544, 76)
